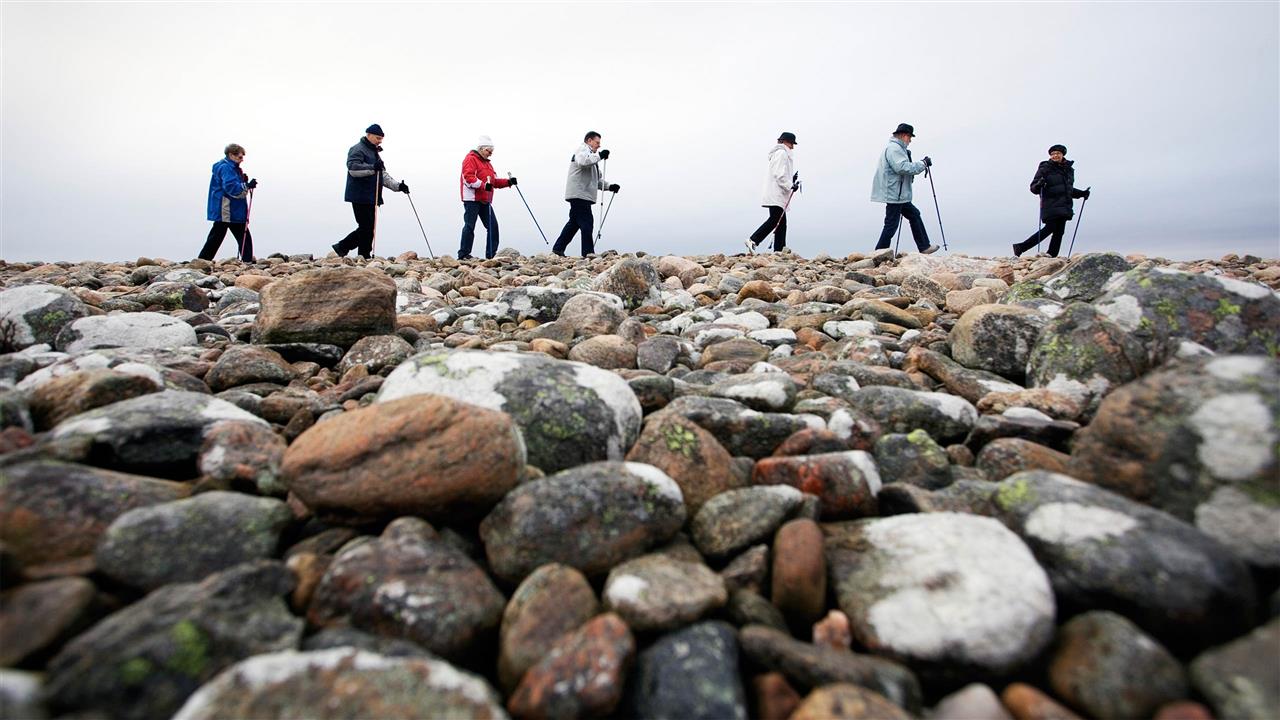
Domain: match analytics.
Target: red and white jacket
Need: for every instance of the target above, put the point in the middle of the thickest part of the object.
(475, 171)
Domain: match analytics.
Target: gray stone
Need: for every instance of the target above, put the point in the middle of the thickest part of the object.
(690, 674)
(132, 330)
(35, 314)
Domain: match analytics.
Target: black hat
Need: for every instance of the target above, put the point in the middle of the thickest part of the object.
(375, 129)
(904, 128)
(1061, 148)
(788, 137)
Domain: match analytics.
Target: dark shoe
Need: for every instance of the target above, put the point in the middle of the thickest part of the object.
(1016, 251)
(465, 257)
(553, 252)
(340, 252)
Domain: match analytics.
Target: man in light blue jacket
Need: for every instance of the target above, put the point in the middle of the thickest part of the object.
(892, 186)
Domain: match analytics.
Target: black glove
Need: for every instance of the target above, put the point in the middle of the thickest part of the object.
(604, 154)
(488, 186)
(795, 186)
(928, 162)
(1085, 195)
(511, 182)
(615, 188)
(378, 165)
(252, 184)
(795, 176)
(404, 187)
(1037, 186)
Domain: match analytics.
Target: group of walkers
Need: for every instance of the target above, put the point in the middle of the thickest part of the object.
(231, 196)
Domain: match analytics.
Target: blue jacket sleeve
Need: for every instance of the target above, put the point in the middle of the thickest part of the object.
(230, 183)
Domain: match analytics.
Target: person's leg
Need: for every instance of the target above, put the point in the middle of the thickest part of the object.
(1030, 242)
(779, 235)
(587, 224)
(365, 215)
(1058, 228)
(470, 209)
(491, 248)
(566, 233)
(918, 233)
(244, 244)
(892, 216)
(767, 226)
(213, 241)
(349, 243)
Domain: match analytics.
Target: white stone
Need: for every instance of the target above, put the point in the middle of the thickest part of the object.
(1237, 367)
(625, 590)
(841, 423)
(773, 393)
(657, 480)
(866, 464)
(1236, 436)
(839, 329)
(472, 378)
(216, 409)
(1123, 311)
(1065, 523)
(135, 330)
(1026, 413)
(773, 336)
(1188, 349)
(1253, 291)
(953, 406)
(1250, 528)
(751, 320)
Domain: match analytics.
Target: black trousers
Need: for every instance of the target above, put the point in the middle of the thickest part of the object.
(360, 239)
(580, 218)
(1056, 227)
(244, 240)
(893, 214)
(776, 224)
(471, 210)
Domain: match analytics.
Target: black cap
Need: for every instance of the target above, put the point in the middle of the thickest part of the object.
(788, 137)
(904, 128)
(1060, 148)
(375, 129)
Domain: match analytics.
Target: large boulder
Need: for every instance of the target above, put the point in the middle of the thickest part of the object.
(945, 417)
(590, 518)
(247, 364)
(569, 413)
(997, 338)
(1084, 355)
(131, 330)
(337, 306)
(1197, 440)
(305, 684)
(904, 580)
(35, 314)
(1161, 306)
(593, 313)
(635, 280)
(428, 455)
(1083, 278)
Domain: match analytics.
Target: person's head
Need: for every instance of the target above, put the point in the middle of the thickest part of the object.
(374, 134)
(592, 139)
(484, 146)
(905, 133)
(788, 139)
(234, 152)
(1058, 153)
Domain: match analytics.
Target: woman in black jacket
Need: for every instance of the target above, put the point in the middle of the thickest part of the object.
(1055, 184)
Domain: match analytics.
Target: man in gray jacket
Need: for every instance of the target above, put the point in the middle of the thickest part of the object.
(892, 186)
(364, 169)
(581, 191)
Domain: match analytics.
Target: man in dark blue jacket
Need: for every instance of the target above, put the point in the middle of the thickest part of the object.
(364, 169)
(228, 188)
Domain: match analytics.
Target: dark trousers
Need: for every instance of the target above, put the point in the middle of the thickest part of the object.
(472, 209)
(244, 240)
(580, 218)
(893, 214)
(360, 239)
(1056, 227)
(776, 224)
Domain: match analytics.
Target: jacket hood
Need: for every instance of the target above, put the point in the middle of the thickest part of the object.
(776, 148)
(366, 143)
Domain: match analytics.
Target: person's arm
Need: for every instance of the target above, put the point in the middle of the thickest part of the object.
(1037, 182)
(500, 182)
(230, 183)
(586, 156)
(780, 169)
(1077, 193)
(356, 164)
(389, 182)
(901, 164)
(470, 178)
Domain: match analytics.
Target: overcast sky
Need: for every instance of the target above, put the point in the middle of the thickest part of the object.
(113, 114)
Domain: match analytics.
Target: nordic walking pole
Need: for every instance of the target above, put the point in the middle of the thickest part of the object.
(526, 207)
(929, 174)
(605, 215)
(600, 230)
(899, 239)
(249, 211)
(1040, 220)
(489, 230)
(424, 232)
(377, 194)
(1073, 232)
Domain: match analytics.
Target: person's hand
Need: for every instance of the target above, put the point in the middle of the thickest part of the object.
(511, 182)
(795, 176)
(378, 165)
(404, 187)
(1086, 195)
(928, 161)
(615, 188)
(795, 186)
(488, 186)
(604, 154)
(252, 184)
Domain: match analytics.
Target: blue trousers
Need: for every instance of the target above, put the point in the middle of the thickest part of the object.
(580, 218)
(893, 214)
(472, 209)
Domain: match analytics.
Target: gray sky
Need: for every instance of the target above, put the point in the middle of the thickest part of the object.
(113, 114)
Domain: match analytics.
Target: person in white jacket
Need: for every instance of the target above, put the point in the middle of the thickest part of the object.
(583, 186)
(892, 186)
(780, 182)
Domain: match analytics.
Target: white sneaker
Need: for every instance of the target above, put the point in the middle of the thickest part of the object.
(930, 250)
(751, 247)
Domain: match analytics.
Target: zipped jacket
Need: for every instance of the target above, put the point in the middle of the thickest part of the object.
(894, 174)
(360, 174)
(1057, 181)
(475, 171)
(585, 180)
(227, 193)
(778, 178)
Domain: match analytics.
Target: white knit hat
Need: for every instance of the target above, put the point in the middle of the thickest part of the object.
(484, 142)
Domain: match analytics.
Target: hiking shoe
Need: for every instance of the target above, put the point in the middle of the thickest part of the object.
(751, 247)
(1016, 253)
(930, 250)
(338, 251)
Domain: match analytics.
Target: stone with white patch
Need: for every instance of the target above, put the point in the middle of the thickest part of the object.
(660, 592)
(569, 413)
(945, 417)
(839, 329)
(940, 590)
(35, 314)
(775, 392)
(132, 330)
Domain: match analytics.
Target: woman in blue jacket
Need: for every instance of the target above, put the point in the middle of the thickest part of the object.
(228, 209)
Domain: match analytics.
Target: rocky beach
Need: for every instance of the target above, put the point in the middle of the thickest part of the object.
(633, 486)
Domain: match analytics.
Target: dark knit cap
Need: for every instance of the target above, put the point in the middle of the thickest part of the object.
(1060, 148)
(375, 129)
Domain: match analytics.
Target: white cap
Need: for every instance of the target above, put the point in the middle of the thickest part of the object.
(484, 141)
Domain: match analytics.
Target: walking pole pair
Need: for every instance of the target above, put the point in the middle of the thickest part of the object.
(1078, 219)
(526, 207)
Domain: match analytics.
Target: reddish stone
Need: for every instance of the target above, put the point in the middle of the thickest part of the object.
(582, 675)
(1027, 703)
(1183, 710)
(35, 618)
(60, 398)
(308, 568)
(811, 441)
(833, 631)
(758, 289)
(799, 571)
(775, 698)
(688, 454)
(1003, 457)
(554, 600)
(835, 478)
(15, 438)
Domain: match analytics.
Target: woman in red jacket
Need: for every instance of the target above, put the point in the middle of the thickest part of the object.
(478, 182)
